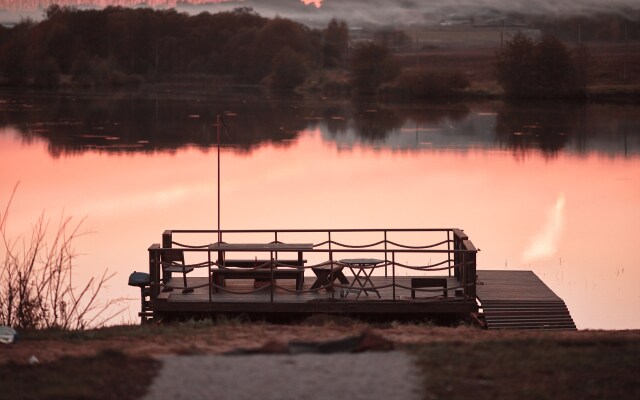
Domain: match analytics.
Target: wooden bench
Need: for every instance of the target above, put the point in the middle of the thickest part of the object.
(245, 269)
(430, 282)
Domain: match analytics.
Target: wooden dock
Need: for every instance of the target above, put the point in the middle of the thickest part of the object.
(285, 301)
(413, 272)
(520, 300)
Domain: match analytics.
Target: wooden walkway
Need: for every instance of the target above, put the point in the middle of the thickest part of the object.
(520, 300)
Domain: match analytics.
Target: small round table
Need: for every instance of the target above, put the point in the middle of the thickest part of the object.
(362, 265)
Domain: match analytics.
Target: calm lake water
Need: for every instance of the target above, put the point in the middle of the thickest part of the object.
(552, 188)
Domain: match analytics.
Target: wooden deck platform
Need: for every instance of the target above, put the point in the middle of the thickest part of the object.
(320, 301)
(520, 300)
(508, 299)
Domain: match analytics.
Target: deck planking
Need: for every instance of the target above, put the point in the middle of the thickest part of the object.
(426, 302)
(509, 300)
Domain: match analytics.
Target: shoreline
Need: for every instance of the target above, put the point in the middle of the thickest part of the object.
(209, 337)
(127, 362)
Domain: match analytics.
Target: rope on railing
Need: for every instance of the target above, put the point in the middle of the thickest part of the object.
(184, 287)
(261, 266)
(384, 264)
(432, 267)
(222, 288)
(301, 291)
(176, 264)
(428, 246)
(189, 246)
(362, 246)
(356, 246)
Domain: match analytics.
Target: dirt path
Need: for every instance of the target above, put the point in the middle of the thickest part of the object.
(372, 375)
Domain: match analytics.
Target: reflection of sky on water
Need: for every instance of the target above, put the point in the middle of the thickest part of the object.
(544, 243)
(567, 218)
(562, 205)
(476, 130)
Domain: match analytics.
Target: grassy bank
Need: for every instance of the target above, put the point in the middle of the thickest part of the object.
(119, 362)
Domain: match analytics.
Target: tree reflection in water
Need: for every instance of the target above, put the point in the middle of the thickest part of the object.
(76, 123)
(543, 126)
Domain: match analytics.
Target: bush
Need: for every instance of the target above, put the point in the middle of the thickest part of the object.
(526, 69)
(372, 65)
(425, 84)
(35, 280)
(289, 70)
(47, 73)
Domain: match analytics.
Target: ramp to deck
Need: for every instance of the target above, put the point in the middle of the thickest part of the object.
(520, 300)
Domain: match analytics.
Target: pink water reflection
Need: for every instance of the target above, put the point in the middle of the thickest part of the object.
(573, 220)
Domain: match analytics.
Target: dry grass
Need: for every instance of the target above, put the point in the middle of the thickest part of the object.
(36, 278)
(108, 375)
(455, 362)
(614, 67)
(537, 368)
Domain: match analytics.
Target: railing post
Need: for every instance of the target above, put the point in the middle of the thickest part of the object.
(470, 267)
(276, 238)
(272, 280)
(393, 271)
(449, 251)
(210, 274)
(385, 254)
(167, 239)
(458, 237)
(167, 242)
(154, 270)
(333, 291)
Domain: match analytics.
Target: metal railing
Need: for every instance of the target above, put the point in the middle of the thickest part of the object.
(453, 250)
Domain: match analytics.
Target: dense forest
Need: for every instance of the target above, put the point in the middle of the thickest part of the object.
(119, 46)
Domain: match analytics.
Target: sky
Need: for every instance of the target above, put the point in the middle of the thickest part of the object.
(363, 11)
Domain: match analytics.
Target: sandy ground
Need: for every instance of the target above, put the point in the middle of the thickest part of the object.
(371, 375)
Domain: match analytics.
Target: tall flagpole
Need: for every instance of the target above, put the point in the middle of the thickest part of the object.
(218, 123)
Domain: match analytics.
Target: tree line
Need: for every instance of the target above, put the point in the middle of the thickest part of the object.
(121, 46)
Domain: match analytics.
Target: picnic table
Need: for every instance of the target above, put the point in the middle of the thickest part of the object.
(248, 268)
